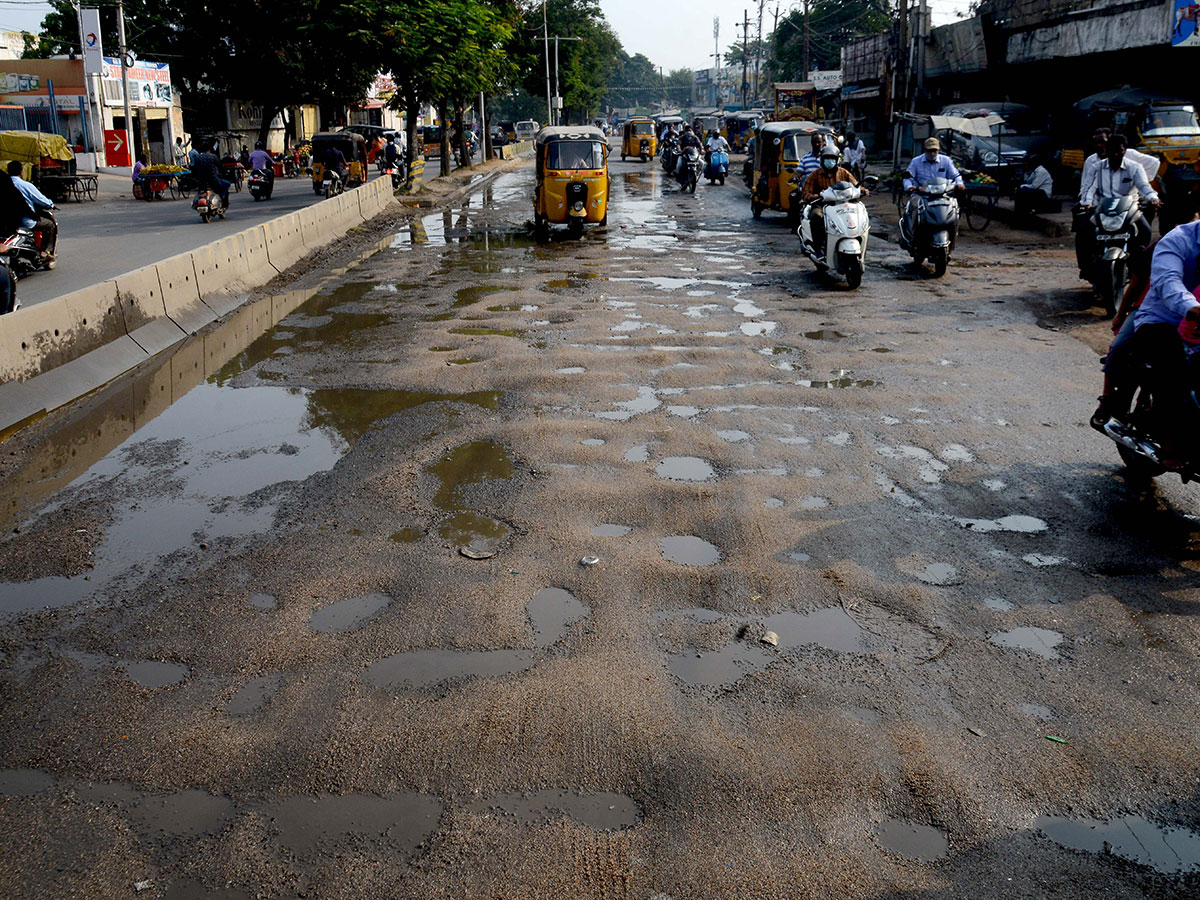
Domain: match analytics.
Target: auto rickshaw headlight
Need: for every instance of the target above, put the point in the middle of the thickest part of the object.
(578, 205)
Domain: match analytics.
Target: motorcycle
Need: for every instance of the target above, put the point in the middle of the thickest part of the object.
(847, 227)
(262, 185)
(1136, 433)
(209, 205)
(331, 183)
(25, 250)
(689, 173)
(670, 153)
(1115, 222)
(9, 301)
(717, 166)
(935, 222)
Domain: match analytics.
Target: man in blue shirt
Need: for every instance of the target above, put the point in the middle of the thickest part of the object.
(262, 161)
(43, 225)
(932, 165)
(1174, 275)
(810, 161)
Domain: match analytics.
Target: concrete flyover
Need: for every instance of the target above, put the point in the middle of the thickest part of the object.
(80, 340)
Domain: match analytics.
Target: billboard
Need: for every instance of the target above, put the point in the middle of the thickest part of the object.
(149, 84)
(1184, 21)
(93, 47)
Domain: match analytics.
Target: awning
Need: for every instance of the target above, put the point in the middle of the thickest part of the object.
(862, 94)
(980, 126)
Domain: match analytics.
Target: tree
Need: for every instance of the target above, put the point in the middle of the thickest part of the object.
(585, 66)
(831, 25)
(679, 86)
(635, 81)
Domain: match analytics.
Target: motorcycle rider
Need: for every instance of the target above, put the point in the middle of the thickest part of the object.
(391, 153)
(1118, 177)
(716, 143)
(929, 166)
(810, 161)
(1174, 275)
(828, 175)
(688, 139)
(40, 222)
(207, 172)
(333, 160)
(261, 160)
(855, 155)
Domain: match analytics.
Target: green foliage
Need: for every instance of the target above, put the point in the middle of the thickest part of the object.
(679, 86)
(585, 67)
(832, 24)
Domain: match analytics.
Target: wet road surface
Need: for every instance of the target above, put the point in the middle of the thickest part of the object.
(650, 565)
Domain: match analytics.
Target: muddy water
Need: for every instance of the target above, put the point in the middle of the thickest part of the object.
(153, 674)
(715, 668)
(1169, 849)
(325, 823)
(603, 811)
(684, 468)
(348, 615)
(1039, 641)
(688, 550)
(24, 782)
(253, 695)
(473, 463)
(421, 668)
(832, 629)
(912, 841)
(552, 610)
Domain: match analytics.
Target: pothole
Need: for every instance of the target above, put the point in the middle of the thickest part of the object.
(684, 468)
(688, 550)
(348, 615)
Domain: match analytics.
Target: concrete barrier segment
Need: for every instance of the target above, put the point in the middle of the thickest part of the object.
(181, 293)
(285, 246)
(140, 296)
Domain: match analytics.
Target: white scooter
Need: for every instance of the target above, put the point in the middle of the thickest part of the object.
(847, 228)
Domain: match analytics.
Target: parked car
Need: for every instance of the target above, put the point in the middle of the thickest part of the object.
(1002, 154)
(527, 130)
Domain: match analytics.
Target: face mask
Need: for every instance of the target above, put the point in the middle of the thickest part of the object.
(828, 163)
(931, 155)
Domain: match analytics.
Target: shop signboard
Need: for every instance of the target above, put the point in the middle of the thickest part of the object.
(149, 84)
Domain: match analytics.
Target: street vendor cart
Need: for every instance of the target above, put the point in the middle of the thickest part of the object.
(49, 163)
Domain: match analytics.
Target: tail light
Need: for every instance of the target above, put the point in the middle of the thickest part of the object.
(37, 240)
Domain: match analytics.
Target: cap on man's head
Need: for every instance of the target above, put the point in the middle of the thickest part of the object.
(933, 144)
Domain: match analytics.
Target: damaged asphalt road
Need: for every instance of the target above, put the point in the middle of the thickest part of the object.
(300, 609)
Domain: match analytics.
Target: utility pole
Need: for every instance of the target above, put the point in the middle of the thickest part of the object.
(557, 112)
(902, 55)
(758, 44)
(546, 38)
(717, 61)
(745, 51)
(922, 35)
(124, 51)
(807, 59)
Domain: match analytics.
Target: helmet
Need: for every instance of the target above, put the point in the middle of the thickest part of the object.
(829, 151)
(258, 145)
(687, 127)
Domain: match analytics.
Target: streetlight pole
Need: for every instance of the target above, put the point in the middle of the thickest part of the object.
(546, 38)
(124, 75)
(557, 112)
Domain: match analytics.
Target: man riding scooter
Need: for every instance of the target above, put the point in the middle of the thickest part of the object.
(930, 166)
(688, 139)
(206, 170)
(44, 227)
(262, 161)
(829, 174)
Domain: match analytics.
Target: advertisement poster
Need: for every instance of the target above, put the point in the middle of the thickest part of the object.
(93, 50)
(149, 84)
(1184, 22)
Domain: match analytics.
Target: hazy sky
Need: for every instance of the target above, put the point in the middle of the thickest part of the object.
(17, 16)
(678, 35)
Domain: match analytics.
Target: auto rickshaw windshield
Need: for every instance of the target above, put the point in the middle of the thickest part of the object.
(1170, 120)
(643, 128)
(795, 146)
(575, 155)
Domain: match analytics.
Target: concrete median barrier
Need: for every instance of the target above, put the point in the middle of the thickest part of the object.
(181, 293)
(285, 246)
(140, 297)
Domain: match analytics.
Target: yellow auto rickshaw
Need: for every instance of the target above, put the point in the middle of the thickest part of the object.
(353, 147)
(738, 128)
(639, 138)
(431, 141)
(572, 178)
(777, 149)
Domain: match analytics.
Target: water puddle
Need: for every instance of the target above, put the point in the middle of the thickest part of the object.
(715, 668)
(814, 503)
(308, 825)
(348, 615)
(923, 843)
(482, 332)
(1037, 711)
(187, 813)
(473, 463)
(571, 370)
(24, 782)
(1018, 524)
(830, 628)
(253, 695)
(1039, 641)
(1169, 849)
(757, 329)
(406, 535)
(608, 530)
(514, 307)
(468, 296)
(645, 401)
(421, 668)
(684, 468)
(592, 442)
(265, 602)
(552, 610)
(602, 811)
(153, 674)
(773, 503)
(687, 550)
(462, 361)
(684, 412)
(825, 334)
(839, 383)
(638, 453)
(573, 282)
(733, 436)
(940, 574)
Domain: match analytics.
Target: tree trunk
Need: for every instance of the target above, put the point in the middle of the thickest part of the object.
(485, 139)
(464, 153)
(411, 114)
(443, 121)
(264, 129)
